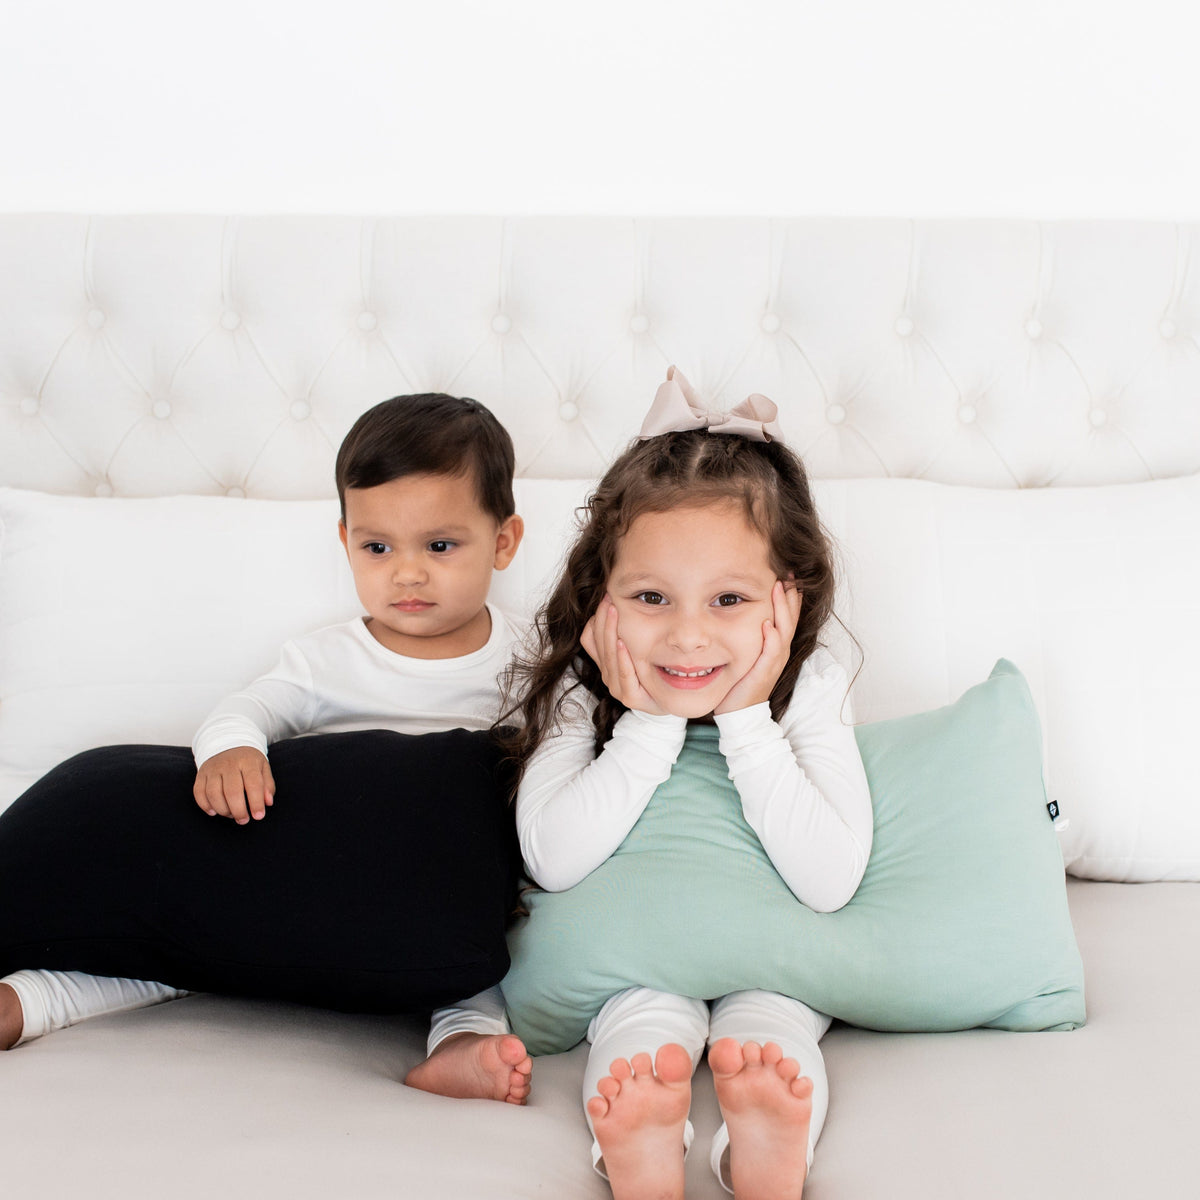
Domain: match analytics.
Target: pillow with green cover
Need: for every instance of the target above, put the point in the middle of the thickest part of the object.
(961, 919)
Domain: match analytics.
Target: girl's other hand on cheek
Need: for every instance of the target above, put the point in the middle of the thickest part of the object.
(602, 645)
(756, 685)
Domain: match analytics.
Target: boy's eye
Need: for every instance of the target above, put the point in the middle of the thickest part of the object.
(376, 547)
(728, 600)
(441, 546)
(655, 598)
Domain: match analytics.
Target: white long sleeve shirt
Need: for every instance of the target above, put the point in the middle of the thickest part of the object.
(801, 781)
(340, 679)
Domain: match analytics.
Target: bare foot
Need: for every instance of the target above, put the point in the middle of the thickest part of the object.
(476, 1066)
(767, 1106)
(12, 1018)
(639, 1118)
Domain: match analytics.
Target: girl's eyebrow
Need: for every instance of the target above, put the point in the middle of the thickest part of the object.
(645, 577)
(637, 579)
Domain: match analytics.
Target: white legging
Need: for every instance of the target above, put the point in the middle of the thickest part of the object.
(53, 1000)
(483, 1013)
(640, 1020)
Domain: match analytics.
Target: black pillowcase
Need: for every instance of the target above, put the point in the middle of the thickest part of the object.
(381, 880)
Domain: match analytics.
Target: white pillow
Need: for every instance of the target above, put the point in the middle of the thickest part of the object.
(127, 620)
(1093, 592)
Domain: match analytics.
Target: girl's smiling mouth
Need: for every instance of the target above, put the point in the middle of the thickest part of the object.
(687, 678)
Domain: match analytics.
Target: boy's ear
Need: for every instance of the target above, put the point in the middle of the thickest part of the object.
(344, 535)
(508, 538)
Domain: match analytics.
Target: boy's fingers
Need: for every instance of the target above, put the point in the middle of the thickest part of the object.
(256, 800)
(200, 795)
(216, 796)
(235, 797)
(269, 783)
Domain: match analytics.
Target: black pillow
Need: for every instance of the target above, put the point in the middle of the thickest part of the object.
(381, 880)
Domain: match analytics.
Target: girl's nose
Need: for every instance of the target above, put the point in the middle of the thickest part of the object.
(689, 631)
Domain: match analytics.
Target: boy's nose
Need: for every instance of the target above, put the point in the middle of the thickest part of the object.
(409, 571)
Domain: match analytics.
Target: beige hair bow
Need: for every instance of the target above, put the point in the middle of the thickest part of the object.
(676, 409)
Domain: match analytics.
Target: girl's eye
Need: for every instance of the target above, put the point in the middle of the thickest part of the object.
(376, 547)
(728, 600)
(441, 546)
(654, 598)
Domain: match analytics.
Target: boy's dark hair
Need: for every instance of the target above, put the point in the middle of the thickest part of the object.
(434, 434)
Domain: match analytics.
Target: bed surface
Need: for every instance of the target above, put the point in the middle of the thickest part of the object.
(281, 1101)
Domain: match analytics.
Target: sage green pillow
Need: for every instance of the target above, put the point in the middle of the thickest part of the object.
(961, 918)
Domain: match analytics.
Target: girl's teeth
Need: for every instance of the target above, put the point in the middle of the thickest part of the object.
(690, 674)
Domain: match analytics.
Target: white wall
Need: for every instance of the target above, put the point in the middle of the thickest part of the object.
(916, 107)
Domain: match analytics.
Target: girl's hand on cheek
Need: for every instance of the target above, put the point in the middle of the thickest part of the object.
(756, 685)
(602, 645)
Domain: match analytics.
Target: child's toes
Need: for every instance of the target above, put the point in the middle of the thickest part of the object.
(620, 1069)
(771, 1054)
(788, 1069)
(642, 1064)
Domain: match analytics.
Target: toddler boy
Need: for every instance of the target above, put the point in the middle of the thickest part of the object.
(427, 514)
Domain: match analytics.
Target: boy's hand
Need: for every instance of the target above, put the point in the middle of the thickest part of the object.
(236, 783)
(757, 684)
(602, 645)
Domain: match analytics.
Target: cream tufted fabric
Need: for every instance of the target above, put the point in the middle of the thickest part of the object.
(224, 355)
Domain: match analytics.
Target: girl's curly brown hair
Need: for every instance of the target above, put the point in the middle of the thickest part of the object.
(671, 470)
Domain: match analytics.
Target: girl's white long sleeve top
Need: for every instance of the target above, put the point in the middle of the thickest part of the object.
(801, 782)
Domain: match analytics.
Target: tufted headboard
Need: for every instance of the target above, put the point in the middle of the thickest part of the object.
(149, 355)
(952, 386)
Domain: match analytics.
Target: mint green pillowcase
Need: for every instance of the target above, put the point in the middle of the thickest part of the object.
(961, 919)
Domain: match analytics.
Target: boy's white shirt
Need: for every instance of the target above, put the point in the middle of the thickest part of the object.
(340, 679)
(801, 781)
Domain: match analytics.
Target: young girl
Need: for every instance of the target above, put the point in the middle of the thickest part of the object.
(696, 593)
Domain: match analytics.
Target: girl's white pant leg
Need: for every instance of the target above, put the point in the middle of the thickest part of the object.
(639, 1021)
(796, 1029)
(53, 1000)
(483, 1013)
